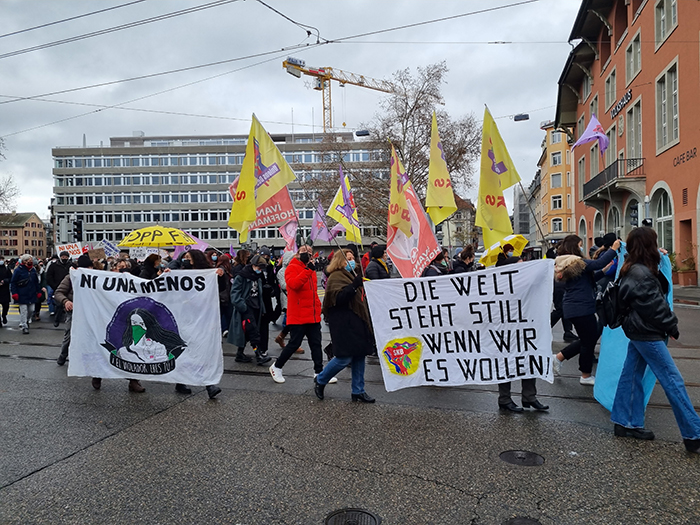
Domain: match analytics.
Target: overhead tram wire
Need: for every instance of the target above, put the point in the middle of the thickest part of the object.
(325, 41)
(115, 106)
(305, 27)
(71, 18)
(109, 30)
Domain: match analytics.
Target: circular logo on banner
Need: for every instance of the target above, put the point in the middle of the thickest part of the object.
(143, 337)
(403, 355)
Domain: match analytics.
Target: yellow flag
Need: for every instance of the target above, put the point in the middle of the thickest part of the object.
(440, 199)
(399, 217)
(497, 173)
(337, 211)
(263, 174)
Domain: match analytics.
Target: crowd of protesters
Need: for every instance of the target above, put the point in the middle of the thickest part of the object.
(256, 289)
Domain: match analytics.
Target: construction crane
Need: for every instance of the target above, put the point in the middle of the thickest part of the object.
(323, 77)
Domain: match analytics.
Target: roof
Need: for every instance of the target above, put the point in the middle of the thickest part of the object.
(463, 204)
(17, 220)
(588, 24)
(571, 79)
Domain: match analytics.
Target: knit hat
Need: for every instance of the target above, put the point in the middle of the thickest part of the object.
(609, 239)
(378, 252)
(259, 261)
(84, 261)
(598, 242)
(64, 254)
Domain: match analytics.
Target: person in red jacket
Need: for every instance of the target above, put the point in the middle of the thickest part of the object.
(303, 311)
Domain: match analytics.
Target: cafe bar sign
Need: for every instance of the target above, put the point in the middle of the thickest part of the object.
(621, 104)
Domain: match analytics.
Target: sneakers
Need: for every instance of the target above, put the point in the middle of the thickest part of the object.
(262, 358)
(276, 374)
(588, 381)
(556, 365)
(225, 333)
(331, 380)
(25, 331)
(636, 433)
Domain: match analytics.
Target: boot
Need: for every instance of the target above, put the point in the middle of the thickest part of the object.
(241, 357)
(280, 339)
(182, 389)
(213, 391)
(135, 386)
(262, 358)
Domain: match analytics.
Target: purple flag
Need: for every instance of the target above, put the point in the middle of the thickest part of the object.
(319, 230)
(348, 207)
(337, 230)
(594, 131)
(231, 251)
(201, 245)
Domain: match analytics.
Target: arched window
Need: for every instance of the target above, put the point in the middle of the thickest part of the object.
(598, 230)
(664, 221)
(613, 220)
(582, 233)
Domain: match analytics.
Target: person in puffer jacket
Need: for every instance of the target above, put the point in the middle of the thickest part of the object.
(648, 322)
(25, 290)
(579, 276)
(303, 311)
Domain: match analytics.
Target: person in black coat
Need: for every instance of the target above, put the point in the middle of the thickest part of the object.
(377, 267)
(465, 261)
(346, 312)
(54, 276)
(648, 322)
(5, 277)
(437, 266)
(25, 290)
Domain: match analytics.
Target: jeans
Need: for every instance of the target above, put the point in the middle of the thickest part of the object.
(66, 334)
(337, 364)
(25, 315)
(312, 331)
(49, 299)
(587, 330)
(628, 407)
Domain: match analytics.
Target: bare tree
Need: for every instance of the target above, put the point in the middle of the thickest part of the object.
(9, 191)
(406, 121)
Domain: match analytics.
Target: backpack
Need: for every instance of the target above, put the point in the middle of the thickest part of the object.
(608, 305)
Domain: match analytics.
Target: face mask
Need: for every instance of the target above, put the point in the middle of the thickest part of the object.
(350, 266)
(137, 332)
(29, 264)
(64, 261)
(510, 254)
(304, 257)
(443, 263)
(581, 248)
(257, 271)
(186, 264)
(214, 257)
(2, 263)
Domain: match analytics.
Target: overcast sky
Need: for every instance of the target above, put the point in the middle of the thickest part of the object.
(519, 76)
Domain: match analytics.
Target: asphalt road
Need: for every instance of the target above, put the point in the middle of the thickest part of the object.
(264, 453)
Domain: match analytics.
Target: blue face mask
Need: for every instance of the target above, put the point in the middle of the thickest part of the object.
(214, 257)
(257, 271)
(510, 254)
(350, 266)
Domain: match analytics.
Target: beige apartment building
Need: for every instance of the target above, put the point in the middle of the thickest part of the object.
(22, 233)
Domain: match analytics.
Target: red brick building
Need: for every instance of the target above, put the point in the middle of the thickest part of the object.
(636, 67)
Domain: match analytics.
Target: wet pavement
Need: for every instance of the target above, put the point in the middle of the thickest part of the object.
(265, 453)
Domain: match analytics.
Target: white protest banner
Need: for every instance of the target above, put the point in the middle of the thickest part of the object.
(74, 249)
(110, 248)
(483, 327)
(140, 253)
(165, 329)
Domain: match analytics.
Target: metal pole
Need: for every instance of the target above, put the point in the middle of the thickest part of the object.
(533, 213)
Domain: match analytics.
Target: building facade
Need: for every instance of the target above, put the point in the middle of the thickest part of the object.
(636, 68)
(556, 192)
(22, 233)
(459, 230)
(184, 182)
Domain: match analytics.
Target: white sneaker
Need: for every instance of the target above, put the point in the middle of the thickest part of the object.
(276, 374)
(331, 380)
(556, 365)
(588, 381)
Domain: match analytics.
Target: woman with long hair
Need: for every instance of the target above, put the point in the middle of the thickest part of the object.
(346, 312)
(579, 276)
(648, 323)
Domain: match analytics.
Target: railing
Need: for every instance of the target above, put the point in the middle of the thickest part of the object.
(621, 168)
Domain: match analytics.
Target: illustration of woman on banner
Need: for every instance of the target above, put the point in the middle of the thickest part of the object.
(144, 340)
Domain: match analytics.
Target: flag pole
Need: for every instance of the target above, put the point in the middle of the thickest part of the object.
(539, 227)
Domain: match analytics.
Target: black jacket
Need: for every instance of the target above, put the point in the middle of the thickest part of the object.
(650, 317)
(459, 266)
(56, 272)
(376, 270)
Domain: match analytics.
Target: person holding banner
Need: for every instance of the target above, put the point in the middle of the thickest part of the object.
(579, 277)
(648, 324)
(345, 310)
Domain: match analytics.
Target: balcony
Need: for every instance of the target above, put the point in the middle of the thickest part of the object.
(622, 175)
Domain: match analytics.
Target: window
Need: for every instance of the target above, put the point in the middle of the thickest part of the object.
(594, 106)
(610, 90)
(556, 180)
(595, 154)
(581, 126)
(634, 131)
(556, 202)
(665, 19)
(557, 225)
(664, 221)
(667, 108)
(633, 58)
(568, 205)
(611, 152)
(585, 87)
(568, 179)
(556, 158)
(556, 137)
(568, 157)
